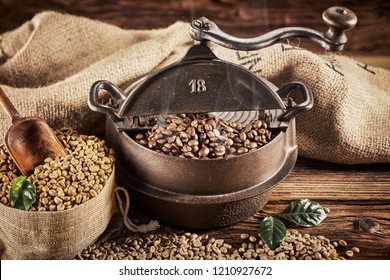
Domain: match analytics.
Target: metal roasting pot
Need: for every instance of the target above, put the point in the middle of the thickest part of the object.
(195, 193)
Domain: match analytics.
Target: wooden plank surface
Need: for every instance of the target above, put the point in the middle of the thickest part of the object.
(358, 196)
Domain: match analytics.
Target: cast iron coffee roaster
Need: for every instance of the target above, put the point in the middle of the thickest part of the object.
(206, 193)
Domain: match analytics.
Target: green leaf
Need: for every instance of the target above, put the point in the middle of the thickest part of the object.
(272, 231)
(304, 213)
(22, 193)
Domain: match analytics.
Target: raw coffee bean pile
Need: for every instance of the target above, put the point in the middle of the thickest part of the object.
(203, 136)
(168, 245)
(64, 182)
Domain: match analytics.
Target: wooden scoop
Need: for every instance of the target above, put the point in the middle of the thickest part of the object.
(29, 140)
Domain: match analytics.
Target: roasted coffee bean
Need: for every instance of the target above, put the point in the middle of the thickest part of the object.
(186, 148)
(139, 136)
(242, 150)
(252, 145)
(189, 135)
(167, 132)
(193, 143)
(204, 152)
(191, 131)
(220, 150)
(257, 123)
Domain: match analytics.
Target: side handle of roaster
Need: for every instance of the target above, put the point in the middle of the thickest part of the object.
(116, 99)
(294, 109)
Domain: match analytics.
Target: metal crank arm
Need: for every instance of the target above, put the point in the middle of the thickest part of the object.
(339, 19)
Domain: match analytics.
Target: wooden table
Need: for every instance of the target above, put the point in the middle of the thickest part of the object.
(358, 196)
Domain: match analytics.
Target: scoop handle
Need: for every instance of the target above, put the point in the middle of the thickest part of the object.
(8, 107)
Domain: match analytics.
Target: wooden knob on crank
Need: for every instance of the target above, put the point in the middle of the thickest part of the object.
(339, 19)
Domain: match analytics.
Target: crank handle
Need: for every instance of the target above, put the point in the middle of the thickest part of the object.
(339, 19)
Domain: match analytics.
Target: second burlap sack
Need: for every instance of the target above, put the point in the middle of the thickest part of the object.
(49, 64)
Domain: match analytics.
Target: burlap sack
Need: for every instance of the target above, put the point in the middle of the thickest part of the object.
(55, 235)
(50, 63)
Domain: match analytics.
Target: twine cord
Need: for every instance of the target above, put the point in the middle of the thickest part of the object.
(143, 228)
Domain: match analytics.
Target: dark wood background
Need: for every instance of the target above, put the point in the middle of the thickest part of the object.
(245, 18)
(358, 196)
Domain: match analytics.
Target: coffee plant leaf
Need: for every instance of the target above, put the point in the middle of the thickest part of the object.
(272, 231)
(304, 212)
(22, 193)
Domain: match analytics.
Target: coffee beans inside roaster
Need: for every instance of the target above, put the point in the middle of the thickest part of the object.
(202, 136)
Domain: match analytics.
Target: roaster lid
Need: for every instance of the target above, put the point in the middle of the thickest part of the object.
(200, 82)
